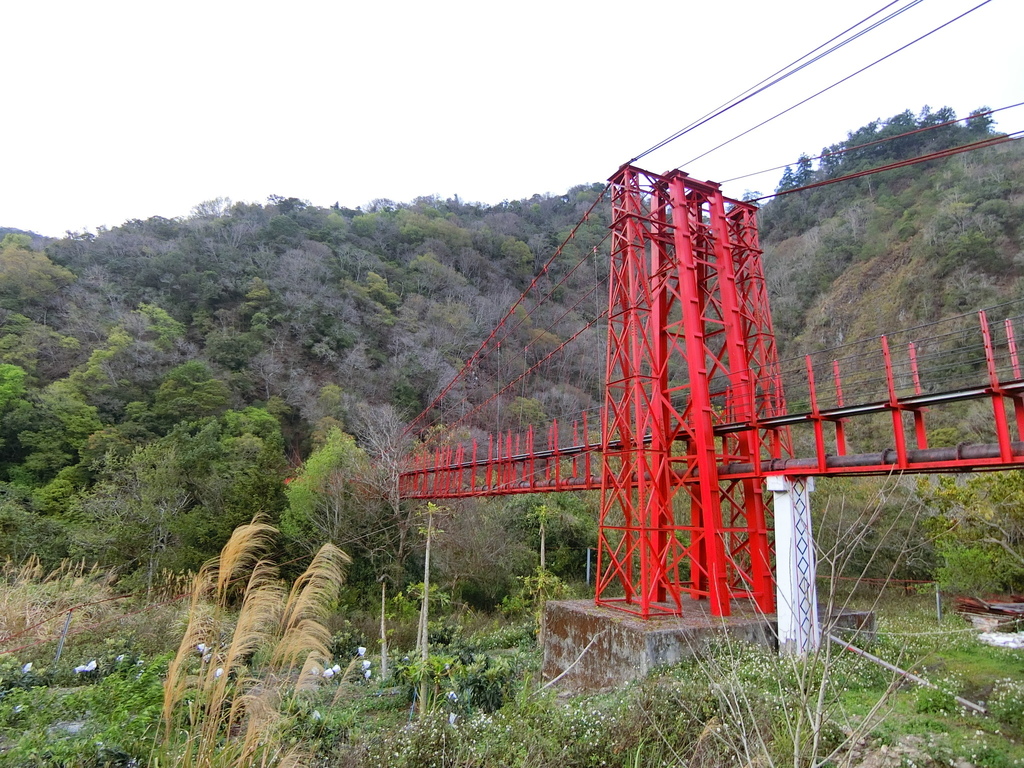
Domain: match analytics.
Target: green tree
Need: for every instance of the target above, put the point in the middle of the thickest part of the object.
(12, 392)
(234, 468)
(525, 412)
(518, 255)
(188, 393)
(174, 502)
(165, 328)
(979, 529)
(325, 500)
(558, 527)
(44, 353)
(804, 171)
(25, 533)
(131, 517)
(27, 276)
(788, 180)
(52, 433)
(124, 368)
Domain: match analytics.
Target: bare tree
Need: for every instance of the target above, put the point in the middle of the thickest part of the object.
(382, 432)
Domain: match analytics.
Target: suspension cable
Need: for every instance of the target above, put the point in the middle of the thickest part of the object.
(844, 150)
(837, 83)
(480, 353)
(779, 76)
(902, 163)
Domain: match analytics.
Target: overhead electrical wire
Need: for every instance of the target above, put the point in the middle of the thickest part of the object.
(836, 83)
(780, 75)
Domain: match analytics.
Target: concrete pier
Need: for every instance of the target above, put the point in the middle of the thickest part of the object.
(594, 648)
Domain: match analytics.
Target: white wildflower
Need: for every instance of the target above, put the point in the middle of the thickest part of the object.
(90, 667)
(219, 671)
(360, 651)
(26, 668)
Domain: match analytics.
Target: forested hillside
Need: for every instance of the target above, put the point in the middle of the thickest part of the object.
(161, 380)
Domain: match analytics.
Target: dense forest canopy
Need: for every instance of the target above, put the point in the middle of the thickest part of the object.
(159, 381)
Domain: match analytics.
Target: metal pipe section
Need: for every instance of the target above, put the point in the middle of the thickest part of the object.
(886, 458)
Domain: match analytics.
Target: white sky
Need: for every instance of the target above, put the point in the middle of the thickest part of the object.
(121, 110)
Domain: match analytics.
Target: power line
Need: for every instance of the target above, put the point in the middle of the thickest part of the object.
(780, 75)
(837, 83)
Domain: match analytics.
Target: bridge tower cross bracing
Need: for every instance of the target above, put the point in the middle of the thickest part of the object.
(690, 346)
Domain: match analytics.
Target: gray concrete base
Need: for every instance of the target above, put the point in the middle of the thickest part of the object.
(592, 647)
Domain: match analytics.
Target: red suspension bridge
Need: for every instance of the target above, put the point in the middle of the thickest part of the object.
(700, 416)
(701, 419)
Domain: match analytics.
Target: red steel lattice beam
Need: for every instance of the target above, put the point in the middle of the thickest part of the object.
(690, 344)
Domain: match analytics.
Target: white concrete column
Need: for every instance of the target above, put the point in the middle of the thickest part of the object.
(796, 591)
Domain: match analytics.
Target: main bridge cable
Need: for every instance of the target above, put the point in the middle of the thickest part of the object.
(535, 366)
(480, 352)
(542, 360)
(844, 150)
(527, 371)
(837, 83)
(780, 75)
(994, 141)
(511, 330)
(532, 369)
(551, 292)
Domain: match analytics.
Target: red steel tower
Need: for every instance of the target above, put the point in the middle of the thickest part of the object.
(691, 369)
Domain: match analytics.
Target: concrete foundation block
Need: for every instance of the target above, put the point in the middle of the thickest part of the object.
(589, 647)
(593, 647)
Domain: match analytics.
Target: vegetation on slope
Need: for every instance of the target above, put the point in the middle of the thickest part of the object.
(166, 381)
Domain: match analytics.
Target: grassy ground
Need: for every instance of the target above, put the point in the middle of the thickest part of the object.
(737, 706)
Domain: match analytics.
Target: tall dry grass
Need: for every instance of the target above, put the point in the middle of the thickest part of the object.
(260, 640)
(34, 601)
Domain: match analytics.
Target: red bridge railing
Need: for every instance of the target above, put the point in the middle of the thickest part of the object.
(897, 380)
